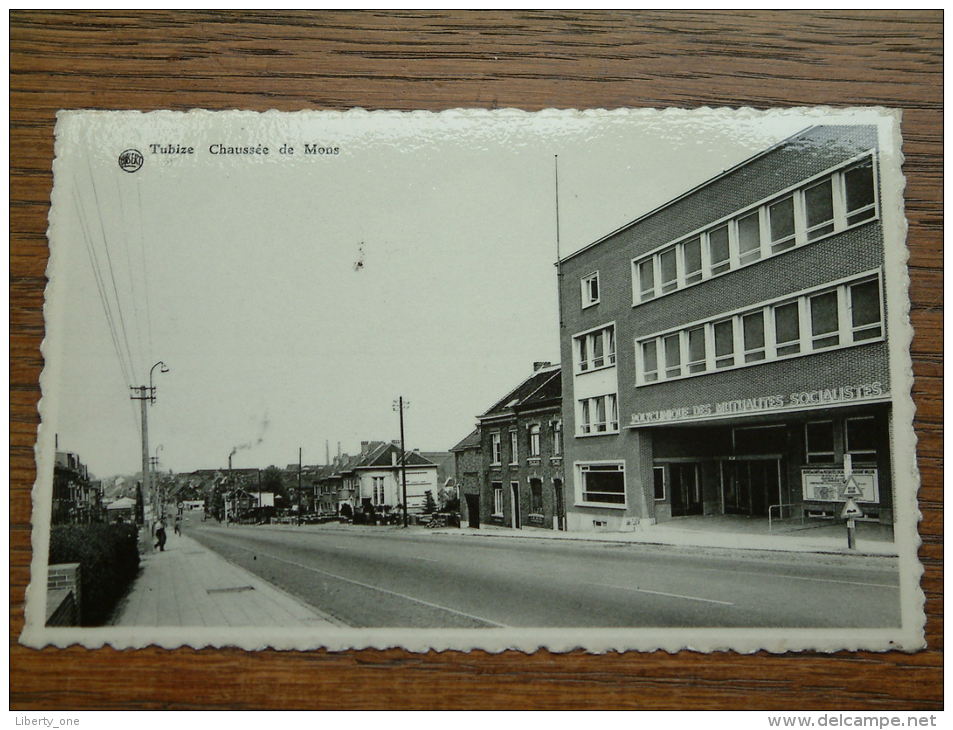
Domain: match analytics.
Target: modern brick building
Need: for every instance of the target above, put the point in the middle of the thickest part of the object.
(510, 470)
(723, 353)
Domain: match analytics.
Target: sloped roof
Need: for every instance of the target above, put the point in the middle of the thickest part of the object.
(470, 441)
(544, 384)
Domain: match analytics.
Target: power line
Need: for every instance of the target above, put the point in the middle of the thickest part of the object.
(100, 288)
(112, 274)
(132, 283)
(145, 276)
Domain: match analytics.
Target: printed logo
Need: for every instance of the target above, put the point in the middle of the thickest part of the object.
(130, 160)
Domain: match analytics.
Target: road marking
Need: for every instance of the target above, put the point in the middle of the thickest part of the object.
(429, 560)
(375, 588)
(662, 593)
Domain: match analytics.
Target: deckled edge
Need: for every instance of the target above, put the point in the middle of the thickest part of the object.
(910, 636)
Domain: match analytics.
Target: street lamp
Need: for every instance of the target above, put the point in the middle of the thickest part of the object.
(163, 368)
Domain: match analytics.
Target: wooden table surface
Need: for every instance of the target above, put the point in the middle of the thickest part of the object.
(437, 60)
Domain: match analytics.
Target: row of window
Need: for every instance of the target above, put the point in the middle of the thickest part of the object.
(823, 206)
(836, 317)
(535, 432)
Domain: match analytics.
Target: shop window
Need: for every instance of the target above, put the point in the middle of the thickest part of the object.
(787, 330)
(650, 361)
(668, 270)
(514, 447)
(496, 448)
(696, 350)
(535, 496)
(749, 238)
(590, 290)
(819, 201)
(719, 250)
(865, 310)
(724, 344)
(603, 483)
(753, 327)
(658, 482)
(647, 279)
(860, 438)
(692, 253)
(824, 320)
(859, 192)
(673, 355)
(497, 499)
(534, 440)
(819, 442)
(781, 217)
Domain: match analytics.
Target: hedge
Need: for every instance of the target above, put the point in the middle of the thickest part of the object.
(109, 562)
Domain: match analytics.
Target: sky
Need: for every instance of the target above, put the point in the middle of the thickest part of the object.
(294, 297)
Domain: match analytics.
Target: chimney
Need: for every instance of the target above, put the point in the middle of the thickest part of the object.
(339, 449)
(364, 447)
(539, 365)
(327, 452)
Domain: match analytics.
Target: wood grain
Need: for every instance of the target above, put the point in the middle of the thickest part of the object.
(438, 60)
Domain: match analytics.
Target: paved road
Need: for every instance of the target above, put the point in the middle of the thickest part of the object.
(369, 578)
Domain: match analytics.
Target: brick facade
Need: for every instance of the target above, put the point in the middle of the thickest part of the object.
(650, 452)
(64, 595)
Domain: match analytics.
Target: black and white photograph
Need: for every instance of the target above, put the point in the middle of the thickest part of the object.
(605, 379)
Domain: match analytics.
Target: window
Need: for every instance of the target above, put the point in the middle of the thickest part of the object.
(696, 350)
(649, 361)
(753, 328)
(724, 344)
(865, 310)
(781, 216)
(819, 204)
(749, 238)
(647, 279)
(497, 499)
(378, 490)
(534, 440)
(514, 447)
(668, 268)
(860, 438)
(598, 415)
(859, 192)
(847, 314)
(692, 253)
(824, 332)
(718, 250)
(673, 355)
(603, 483)
(819, 442)
(595, 349)
(787, 330)
(590, 290)
(824, 205)
(535, 496)
(658, 482)
(557, 438)
(496, 448)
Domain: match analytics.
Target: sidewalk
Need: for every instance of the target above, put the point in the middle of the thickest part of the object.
(728, 533)
(190, 585)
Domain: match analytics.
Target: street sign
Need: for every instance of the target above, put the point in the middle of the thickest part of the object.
(851, 510)
(852, 488)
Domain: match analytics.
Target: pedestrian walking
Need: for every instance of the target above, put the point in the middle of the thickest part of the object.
(177, 525)
(160, 535)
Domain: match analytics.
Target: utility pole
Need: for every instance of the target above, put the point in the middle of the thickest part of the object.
(400, 405)
(144, 394)
(299, 485)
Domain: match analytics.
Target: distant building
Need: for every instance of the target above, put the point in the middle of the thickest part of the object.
(510, 470)
(76, 499)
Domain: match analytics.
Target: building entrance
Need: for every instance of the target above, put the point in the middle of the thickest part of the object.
(751, 486)
(473, 509)
(686, 489)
